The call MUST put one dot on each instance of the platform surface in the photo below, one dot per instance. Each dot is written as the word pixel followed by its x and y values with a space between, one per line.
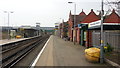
pixel 6 41
pixel 63 53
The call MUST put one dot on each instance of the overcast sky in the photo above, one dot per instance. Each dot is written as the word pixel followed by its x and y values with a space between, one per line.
pixel 46 12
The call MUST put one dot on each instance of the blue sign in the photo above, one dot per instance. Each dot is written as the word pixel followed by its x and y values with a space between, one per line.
pixel 79 25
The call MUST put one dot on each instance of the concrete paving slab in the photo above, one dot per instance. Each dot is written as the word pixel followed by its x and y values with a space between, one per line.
pixel 47 55
pixel 64 53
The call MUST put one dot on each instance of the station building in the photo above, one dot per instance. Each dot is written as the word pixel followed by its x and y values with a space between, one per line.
pixel 88 35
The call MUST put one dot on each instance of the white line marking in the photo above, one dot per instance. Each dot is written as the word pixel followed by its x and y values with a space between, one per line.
pixel 35 61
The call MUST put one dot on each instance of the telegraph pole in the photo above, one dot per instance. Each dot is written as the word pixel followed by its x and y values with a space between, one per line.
pixel 102 46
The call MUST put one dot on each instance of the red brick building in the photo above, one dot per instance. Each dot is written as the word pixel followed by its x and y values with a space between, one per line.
pixel 112 18
pixel 91 17
pixel 111 32
pixel 70 25
pixel 86 35
pixel 82 16
pixel 65 29
pixel 60 30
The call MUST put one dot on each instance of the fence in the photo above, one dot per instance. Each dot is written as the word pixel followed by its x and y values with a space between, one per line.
pixel 113 38
pixel 110 37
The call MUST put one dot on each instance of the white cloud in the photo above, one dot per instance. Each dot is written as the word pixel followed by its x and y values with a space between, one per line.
pixel 47 12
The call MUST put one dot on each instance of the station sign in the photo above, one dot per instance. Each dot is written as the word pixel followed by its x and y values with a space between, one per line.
pixel 79 25
pixel 94 24
pixel 56 24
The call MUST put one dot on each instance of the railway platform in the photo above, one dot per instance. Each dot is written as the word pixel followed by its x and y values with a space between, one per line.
pixel 58 52
pixel 6 41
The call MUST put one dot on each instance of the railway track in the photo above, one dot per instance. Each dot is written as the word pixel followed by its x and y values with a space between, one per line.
pixel 10 46
pixel 14 49
pixel 14 54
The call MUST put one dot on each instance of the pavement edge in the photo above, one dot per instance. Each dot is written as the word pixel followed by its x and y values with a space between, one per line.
pixel 112 63
pixel 38 56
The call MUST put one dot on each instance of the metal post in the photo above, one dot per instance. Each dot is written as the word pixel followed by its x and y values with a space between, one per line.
pixel 8 23
pixel 74 23
pixel 102 47
pixel 8 28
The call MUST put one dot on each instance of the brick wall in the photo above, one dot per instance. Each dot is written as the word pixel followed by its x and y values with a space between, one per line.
pixel 78 36
pixel 89 38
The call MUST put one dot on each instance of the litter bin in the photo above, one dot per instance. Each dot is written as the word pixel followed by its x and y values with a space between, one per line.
pixel 18 36
pixel 92 54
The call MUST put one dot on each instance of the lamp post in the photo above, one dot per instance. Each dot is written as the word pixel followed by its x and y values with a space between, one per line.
pixel 102 46
pixel 8 12
pixel 74 24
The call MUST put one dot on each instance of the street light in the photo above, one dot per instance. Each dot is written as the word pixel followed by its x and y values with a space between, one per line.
pixel 70 2
pixel 74 19
pixel 8 12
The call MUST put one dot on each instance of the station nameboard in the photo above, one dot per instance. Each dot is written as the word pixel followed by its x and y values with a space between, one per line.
pixel 94 24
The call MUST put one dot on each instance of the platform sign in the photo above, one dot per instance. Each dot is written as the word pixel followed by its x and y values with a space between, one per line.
pixel 94 24
pixel 79 25
pixel 56 24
